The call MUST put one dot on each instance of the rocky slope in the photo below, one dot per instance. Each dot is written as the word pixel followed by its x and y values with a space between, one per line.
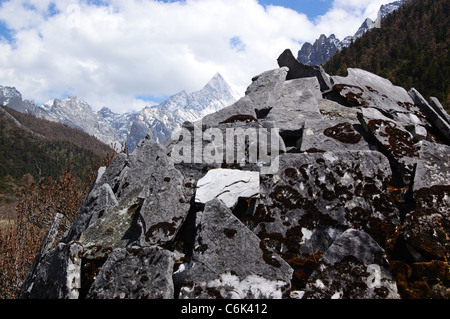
pixel 310 186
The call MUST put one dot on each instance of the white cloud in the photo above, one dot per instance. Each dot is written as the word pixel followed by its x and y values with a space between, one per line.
pixel 111 54
pixel 346 16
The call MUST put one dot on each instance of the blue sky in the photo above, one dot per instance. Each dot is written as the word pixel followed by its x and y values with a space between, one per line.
pixel 126 54
pixel 312 8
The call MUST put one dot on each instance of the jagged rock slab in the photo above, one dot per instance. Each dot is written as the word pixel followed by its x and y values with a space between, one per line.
pixel 111 230
pixel 165 204
pixel 316 196
pixel 298 70
pixel 427 227
pixel 265 90
pixel 95 205
pixel 311 83
pixel 433 116
pixel 354 267
pixel 365 89
pixel 135 273
pixel 333 111
pixel 439 108
pixel 242 110
pixel 228 185
pixel 433 167
pixel 57 275
pixel 296 104
pixel 229 261
pixel 148 189
pixel 394 140
pixel 331 136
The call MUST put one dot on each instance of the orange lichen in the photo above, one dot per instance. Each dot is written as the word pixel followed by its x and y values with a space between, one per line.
pixel 397 193
pixel 303 268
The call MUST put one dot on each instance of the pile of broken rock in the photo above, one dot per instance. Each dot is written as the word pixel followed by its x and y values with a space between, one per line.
pixel 358 208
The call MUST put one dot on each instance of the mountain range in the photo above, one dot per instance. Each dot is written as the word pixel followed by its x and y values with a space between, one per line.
pixel 326 47
pixel 131 127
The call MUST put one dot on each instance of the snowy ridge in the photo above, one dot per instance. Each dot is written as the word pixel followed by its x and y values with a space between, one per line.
pixel 113 128
pixel 168 116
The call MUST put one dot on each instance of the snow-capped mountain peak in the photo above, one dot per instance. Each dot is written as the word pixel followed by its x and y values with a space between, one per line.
pixel 9 92
pixel 325 47
pixel 113 128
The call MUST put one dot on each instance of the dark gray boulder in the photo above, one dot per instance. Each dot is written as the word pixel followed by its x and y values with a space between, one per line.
pixel 265 90
pixel 331 136
pixel 135 273
pixel 56 274
pixel 353 267
pixel 426 228
pixel 229 261
pixel 393 140
pixel 298 70
pixel 296 104
pixel 319 195
pixel 365 89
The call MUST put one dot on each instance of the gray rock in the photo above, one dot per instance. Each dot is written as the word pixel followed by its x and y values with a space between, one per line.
pixel 229 261
pixel 150 190
pixel 57 275
pixel 365 89
pixel 311 83
pixel 334 111
pixel 331 136
pixel 433 167
pixel 394 141
pixel 354 267
pixel 315 196
pixel 228 185
pixel 418 132
pixel 437 106
pixel 242 110
pixel 95 204
pixel 106 200
pixel 251 146
pixel 138 199
pixel 298 70
pixel 110 231
pixel 433 116
pixel 296 104
pixel 135 273
pixel 165 200
pixel 265 90
pixel 426 228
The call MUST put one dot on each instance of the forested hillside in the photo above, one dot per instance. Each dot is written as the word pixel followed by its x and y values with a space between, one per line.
pixel 411 49
pixel 31 149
